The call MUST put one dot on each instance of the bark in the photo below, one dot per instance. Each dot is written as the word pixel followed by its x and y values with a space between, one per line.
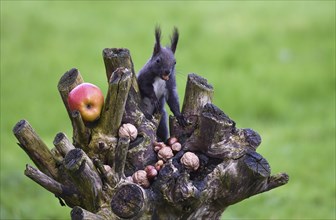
pixel 68 82
pixel 36 149
pixel 120 158
pixel 119 86
pixel 63 144
pixel 81 133
pixel 85 176
pixel 197 93
pixel 93 174
pixel 128 201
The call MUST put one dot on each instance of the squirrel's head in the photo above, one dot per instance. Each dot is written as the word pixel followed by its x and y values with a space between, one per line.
pixel 163 59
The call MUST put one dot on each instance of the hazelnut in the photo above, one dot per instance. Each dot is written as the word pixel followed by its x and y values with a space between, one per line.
pixel 158 165
pixel 176 147
pixel 172 140
pixel 128 130
pixel 159 145
pixel 165 153
pixel 151 172
pixel 140 177
pixel 190 161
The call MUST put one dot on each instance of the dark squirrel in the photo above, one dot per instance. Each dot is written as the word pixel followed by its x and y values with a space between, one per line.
pixel 157 84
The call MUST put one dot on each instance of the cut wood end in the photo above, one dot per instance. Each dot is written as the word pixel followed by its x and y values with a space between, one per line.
pixel 116 52
pixel 68 79
pixel 59 137
pixel 213 112
pixel 200 81
pixel 74 158
pixel 128 200
pixel 20 126
pixel 28 170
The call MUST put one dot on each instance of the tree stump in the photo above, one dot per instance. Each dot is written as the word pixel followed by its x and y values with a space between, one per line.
pixel 91 173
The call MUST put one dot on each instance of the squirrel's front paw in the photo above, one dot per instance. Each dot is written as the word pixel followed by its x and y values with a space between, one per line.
pixel 181 120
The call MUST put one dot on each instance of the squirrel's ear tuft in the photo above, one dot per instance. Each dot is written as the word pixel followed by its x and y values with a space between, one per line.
pixel 157 45
pixel 174 39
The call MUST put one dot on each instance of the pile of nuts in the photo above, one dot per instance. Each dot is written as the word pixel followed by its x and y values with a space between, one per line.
pixel 164 153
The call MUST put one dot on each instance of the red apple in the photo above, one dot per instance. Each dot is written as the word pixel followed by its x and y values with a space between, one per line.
pixel 88 100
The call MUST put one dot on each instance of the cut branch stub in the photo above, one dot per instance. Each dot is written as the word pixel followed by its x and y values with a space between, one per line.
pixel 115 58
pixel 252 138
pixel 277 180
pixel 68 82
pixel 52 185
pixel 81 133
pixel 128 201
pixel 257 164
pixel 36 149
pixel 63 144
pixel 85 176
pixel 214 128
pixel 114 107
pixel 197 93
pixel 120 157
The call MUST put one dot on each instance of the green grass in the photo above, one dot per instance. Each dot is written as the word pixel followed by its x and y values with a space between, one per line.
pixel 272 65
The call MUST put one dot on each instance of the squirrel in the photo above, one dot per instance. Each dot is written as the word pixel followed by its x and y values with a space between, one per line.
pixel 157 84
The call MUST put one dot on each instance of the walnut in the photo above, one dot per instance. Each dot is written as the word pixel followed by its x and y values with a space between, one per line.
pixel 176 147
pixel 128 130
pixel 158 165
pixel 140 177
pixel 158 146
pixel 190 161
pixel 165 153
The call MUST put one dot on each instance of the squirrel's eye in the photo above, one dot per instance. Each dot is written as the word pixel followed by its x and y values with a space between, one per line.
pixel 158 60
pixel 175 62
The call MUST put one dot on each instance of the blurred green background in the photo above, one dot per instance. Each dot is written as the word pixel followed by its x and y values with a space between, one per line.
pixel 272 65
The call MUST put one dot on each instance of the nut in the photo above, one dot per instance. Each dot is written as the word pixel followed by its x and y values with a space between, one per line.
pixel 140 177
pixel 172 140
pixel 159 145
pixel 158 165
pixel 130 179
pixel 176 147
pixel 190 161
pixel 151 172
pixel 107 168
pixel 128 130
pixel 165 153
